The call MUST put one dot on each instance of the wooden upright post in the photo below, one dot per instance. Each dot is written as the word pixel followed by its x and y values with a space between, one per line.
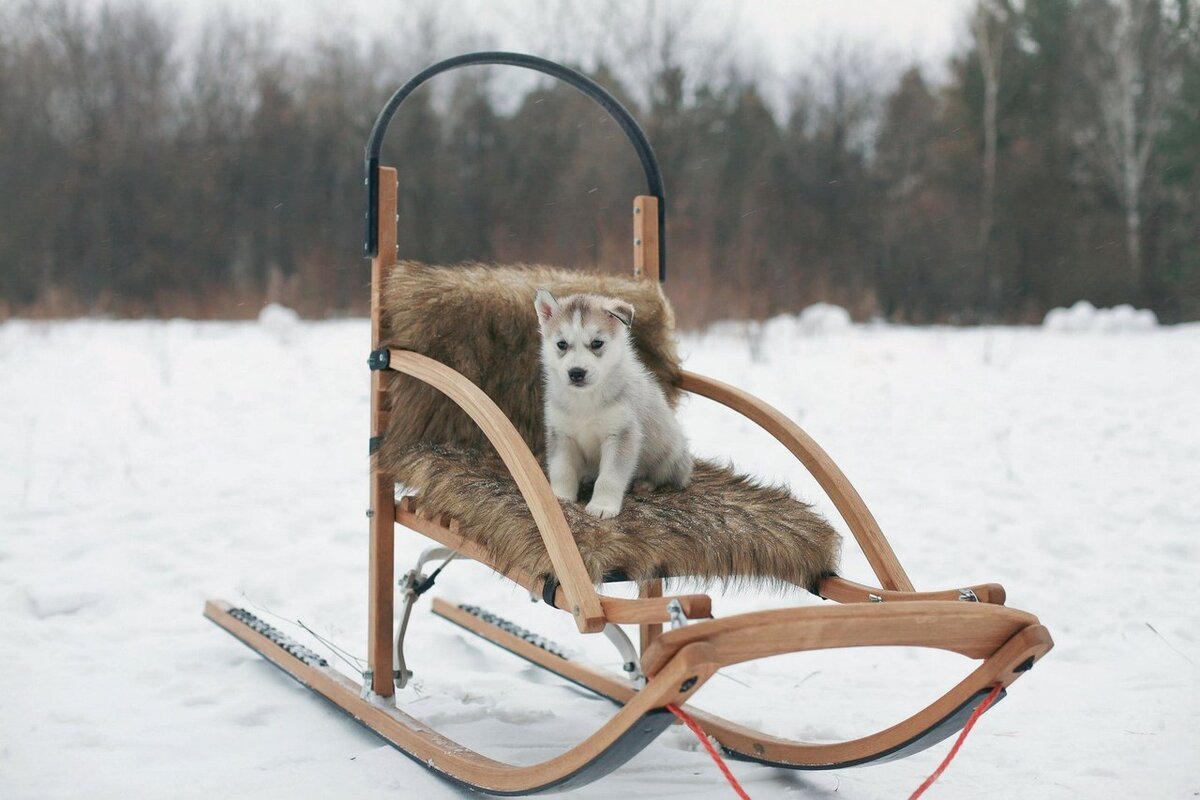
pixel 645 266
pixel 650 630
pixel 645 237
pixel 382 500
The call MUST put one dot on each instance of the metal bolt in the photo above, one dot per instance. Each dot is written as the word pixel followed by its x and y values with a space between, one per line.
pixel 370 513
pixel 637 241
pixel 637 209
pixel 688 684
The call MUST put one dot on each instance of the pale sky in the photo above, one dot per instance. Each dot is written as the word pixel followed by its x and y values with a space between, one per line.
pixel 773 39
pixel 778 30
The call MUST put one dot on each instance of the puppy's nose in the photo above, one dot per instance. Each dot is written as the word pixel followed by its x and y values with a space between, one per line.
pixel 577 374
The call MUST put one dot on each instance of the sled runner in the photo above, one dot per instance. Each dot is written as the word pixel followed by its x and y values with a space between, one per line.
pixel 456 421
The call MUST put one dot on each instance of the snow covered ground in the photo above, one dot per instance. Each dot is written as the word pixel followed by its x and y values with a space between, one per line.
pixel 147 466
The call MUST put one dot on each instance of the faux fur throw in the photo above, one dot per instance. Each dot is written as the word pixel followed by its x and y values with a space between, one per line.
pixel 479 319
pixel 724 527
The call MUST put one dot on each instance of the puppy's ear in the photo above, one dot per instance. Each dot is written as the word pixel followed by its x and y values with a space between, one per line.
pixel 621 310
pixel 546 306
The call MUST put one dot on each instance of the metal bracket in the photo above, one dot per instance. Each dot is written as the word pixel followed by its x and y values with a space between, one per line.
pixel 628 653
pixel 414 585
pixel 968 596
pixel 379 359
pixel 675 611
pixel 549 589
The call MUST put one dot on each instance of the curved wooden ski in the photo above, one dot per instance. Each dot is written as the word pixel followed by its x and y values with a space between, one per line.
pixel 1008 661
pixel 633 727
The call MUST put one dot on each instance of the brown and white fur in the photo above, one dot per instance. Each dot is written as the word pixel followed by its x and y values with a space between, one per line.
pixel 607 420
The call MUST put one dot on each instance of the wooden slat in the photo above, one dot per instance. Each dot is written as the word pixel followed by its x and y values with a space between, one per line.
pixel 975 630
pixel 381 568
pixel 653 610
pixel 451 758
pixel 848 502
pixel 645 237
pixel 841 590
pixel 453 538
pixel 620 610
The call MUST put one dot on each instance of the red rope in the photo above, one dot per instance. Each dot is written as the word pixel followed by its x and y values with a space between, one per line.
pixel 975 715
pixel 712 751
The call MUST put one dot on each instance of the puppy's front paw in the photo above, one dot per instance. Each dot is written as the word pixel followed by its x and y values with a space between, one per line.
pixel 564 492
pixel 602 509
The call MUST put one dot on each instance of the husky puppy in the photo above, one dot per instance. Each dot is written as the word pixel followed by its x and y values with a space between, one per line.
pixel 606 419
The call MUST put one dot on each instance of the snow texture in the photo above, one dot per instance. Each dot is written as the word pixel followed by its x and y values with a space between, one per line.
pixel 147 466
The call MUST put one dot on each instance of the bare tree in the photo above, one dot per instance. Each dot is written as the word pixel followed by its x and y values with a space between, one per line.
pixel 1125 67
pixel 989 26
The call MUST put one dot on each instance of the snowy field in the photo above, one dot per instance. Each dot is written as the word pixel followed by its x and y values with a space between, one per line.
pixel 147 466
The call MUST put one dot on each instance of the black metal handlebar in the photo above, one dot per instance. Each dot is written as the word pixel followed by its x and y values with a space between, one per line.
pixel 654 181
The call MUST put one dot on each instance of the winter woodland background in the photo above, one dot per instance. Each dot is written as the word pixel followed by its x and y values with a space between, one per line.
pixel 175 159
pixel 1055 157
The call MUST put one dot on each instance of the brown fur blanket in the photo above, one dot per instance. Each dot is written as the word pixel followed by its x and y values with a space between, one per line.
pixel 724 527
pixel 479 319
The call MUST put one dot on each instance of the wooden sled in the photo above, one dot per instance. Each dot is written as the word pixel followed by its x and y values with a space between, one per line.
pixel 670 666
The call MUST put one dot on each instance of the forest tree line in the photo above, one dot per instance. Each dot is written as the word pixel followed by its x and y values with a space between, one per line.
pixel 1057 158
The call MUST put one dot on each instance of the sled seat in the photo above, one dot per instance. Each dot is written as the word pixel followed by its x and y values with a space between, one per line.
pixel 479 321
pixel 724 527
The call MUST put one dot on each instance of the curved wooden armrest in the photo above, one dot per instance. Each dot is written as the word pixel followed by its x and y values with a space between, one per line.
pixel 581 597
pixel 841 590
pixel 848 502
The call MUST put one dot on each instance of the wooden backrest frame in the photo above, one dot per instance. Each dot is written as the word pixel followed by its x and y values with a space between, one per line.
pixel 582 600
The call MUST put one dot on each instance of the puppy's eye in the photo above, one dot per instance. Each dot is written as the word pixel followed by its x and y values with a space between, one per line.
pixel 562 345
pixel 597 344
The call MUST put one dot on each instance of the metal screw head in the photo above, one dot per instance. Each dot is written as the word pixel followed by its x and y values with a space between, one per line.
pixel 637 242
pixel 688 684
pixel 637 209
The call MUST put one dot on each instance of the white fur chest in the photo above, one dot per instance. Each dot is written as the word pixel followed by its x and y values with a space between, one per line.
pixel 585 421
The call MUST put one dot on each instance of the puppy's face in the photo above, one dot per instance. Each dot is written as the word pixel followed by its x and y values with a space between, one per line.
pixel 584 337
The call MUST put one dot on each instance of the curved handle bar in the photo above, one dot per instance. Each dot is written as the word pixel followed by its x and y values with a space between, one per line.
pixel 654 181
